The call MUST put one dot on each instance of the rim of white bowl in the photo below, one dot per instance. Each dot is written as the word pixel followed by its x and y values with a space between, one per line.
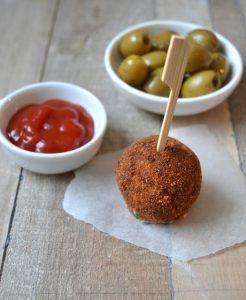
pixel 233 81
pixel 100 132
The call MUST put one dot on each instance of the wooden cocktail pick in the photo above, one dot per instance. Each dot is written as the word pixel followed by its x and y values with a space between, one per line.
pixel 173 73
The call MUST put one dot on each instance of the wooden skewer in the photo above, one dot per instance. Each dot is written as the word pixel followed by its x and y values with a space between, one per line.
pixel 173 73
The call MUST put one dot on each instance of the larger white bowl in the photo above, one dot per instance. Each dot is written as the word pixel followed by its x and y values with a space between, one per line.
pixel 55 162
pixel 157 104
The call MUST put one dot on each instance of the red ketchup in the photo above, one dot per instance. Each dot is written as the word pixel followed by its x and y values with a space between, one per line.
pixel 51 127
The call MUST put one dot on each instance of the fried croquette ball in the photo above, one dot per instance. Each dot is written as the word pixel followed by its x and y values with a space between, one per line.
pixel 159 187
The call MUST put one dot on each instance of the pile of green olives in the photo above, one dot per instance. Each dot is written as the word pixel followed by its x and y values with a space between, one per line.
pixel 144 57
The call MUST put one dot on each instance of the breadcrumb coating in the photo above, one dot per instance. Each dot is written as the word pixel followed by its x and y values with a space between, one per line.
pixel 159 187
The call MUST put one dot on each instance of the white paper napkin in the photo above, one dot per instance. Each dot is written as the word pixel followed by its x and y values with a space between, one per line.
pixel 216 221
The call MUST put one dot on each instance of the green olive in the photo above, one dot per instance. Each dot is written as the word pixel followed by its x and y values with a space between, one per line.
pixel 161 40
pixel 199 58
pixel 201 83
pixel 133 70
pixel 155 59
pixel 220 65
pixel 205 38
pixel 154 85
pixel 136 42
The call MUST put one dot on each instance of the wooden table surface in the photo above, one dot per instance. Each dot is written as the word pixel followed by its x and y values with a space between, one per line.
pixel 45 253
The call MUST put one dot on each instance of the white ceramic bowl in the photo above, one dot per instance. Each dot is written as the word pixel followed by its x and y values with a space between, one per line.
pixel 157 104
pixel 38 93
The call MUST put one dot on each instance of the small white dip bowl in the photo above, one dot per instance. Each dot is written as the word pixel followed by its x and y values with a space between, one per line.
pixel 52 163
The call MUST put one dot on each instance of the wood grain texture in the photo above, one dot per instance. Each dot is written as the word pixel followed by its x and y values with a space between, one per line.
pixel 218 277
pixel 231 22
pixel 194 11
pixel 22 53
pixel 50 254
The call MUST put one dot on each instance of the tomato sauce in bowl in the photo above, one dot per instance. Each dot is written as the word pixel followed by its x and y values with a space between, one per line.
pixel 51 127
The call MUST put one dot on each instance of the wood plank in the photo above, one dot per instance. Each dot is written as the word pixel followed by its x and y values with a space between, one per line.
pixel 183 11
pixel 22 51
pixel 221 276
pixel 89 296
pixel 231 22
pixel 50 253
